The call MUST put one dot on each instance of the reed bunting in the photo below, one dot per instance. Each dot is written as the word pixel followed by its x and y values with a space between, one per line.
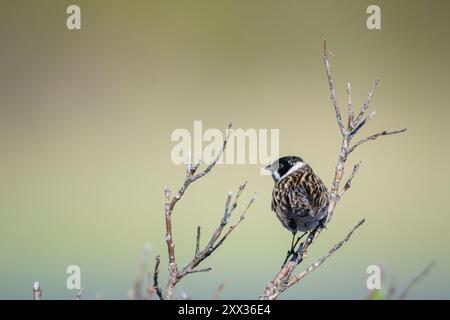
pixel 299 197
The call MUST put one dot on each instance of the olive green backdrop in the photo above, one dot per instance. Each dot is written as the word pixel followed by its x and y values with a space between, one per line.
pixel 86 118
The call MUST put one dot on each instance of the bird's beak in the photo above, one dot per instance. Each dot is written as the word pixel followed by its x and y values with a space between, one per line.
pixel 269 167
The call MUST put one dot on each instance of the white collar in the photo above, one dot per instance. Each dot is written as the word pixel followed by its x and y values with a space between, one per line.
pixel 295 167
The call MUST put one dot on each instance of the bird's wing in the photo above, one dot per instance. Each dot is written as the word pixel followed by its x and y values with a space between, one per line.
pixel 308 194
pixel 281 206
pixel 299 202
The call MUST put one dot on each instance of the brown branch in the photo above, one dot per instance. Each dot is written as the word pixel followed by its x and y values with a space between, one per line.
pixel 231 228
pixel 350 107
pixel 214 242
pixel 168 215
pixel 197 240
pixel 200 270
pixel 374 137
pixel 332 91
pixel 319 262
pixel 362 123
pixel 405 293
pixel 37 292
pixel 156 287
pixel 348 184
pixel 283 278
pixel 366 102
pixel 176 274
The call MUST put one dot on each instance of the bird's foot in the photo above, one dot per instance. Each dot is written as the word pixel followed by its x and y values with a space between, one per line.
pixel 291 253
pixel 323 223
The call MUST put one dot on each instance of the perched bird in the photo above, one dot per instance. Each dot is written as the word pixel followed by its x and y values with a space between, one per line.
pixel 299 197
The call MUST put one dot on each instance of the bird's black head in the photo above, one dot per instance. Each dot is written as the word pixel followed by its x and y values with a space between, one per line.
pixel 281 167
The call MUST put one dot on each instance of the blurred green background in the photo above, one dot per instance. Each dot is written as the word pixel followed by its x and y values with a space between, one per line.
pixel 86 118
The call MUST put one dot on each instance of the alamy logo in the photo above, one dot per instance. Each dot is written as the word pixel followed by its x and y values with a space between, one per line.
pixel 374 280
pixel 374 20
pixel 73 21
pixel 250 146
pixel 74 279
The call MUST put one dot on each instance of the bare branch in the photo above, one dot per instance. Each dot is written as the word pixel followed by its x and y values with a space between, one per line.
pixel 175 274
pixel 350 107
pixel 189 165
pixel 200 270
pixel 319 262
pixel 355 131
pixel 241 218
pixel 192 177
pixel 241 189
pixel 283 278
pixel 405 293
pixel 348 184
pixel 366 103
pixel 219 155
pixel 214 243
pixel 226 216
pixel 37 292
pixel 156 287
pixel 374 137
pixel 168 207
pixel 332 91
pixel 197 240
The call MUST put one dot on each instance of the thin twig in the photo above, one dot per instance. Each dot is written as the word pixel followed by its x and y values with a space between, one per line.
pixel 319 262
pixel 282 279
pixel 366 102
pixel 405 293
pixel 200 270
pixel 350 107
pixel 355 131
pixel 374 137
pixel 332 91
pixel 241 218
pixel 218 156
pixel 155 279
pixel 197 240
pixel 348 184
pixel 176 274
pixel 214 242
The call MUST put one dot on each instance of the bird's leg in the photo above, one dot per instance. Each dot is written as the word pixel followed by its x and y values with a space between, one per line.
pixel 292 242
pixel 292 251
pixel 298 240
pixel 323 222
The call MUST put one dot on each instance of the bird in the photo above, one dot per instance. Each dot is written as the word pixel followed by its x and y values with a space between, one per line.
pixel 299 197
